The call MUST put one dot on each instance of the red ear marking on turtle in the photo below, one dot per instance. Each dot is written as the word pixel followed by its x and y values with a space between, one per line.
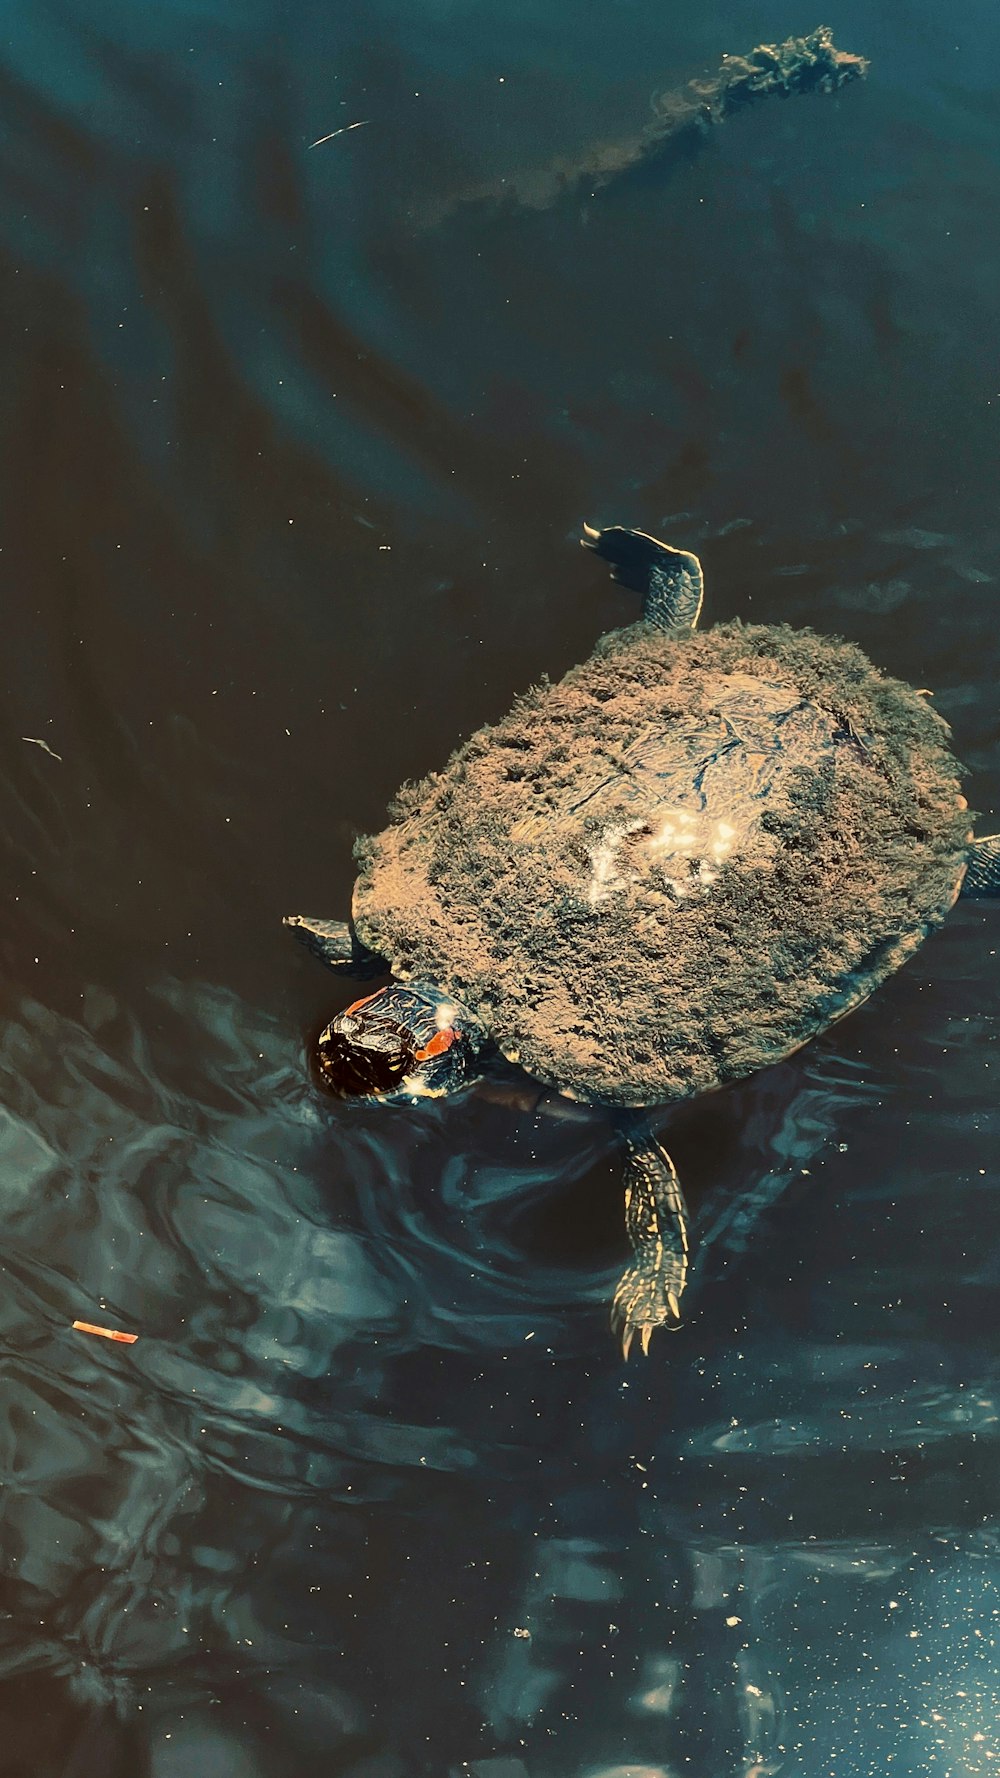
pixel 441 1041
pixel 359 1003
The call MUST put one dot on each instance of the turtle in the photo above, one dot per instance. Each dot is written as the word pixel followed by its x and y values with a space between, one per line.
pixel 670 869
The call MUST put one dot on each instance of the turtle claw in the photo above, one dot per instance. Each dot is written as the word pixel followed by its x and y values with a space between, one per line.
pixel 645 1333
pixel 640 1307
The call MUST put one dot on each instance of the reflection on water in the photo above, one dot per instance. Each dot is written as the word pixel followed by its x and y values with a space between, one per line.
pixel 287 494
pixel 373 1475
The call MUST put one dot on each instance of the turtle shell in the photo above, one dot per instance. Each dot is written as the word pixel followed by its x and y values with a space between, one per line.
pixel 679 863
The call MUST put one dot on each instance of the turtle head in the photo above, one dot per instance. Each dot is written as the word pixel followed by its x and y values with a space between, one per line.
pixel 402 1042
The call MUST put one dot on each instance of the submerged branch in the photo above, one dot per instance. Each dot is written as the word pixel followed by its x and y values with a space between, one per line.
pixel 682 120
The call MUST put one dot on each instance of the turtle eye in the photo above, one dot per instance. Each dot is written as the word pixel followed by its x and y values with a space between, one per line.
pixel 355 1071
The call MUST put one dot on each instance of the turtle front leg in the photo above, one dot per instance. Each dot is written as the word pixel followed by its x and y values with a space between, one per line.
pixel 656 1221
pixel 669 580
pixel 337 945
pixel 983 875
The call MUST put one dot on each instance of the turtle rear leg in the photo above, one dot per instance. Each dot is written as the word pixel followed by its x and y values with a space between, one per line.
pixel 656 1221
pixel 983 874
pixel 337 945
pixel 669 580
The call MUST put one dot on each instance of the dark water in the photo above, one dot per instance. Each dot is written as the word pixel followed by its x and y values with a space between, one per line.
pixel 290 486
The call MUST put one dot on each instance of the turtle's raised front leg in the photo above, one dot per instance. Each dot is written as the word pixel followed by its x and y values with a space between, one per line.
pixel 669 580
pixel 649 1294
pixel 337 945
pixel 983 875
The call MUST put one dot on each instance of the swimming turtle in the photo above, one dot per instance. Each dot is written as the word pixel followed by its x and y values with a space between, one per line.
pixel 666 871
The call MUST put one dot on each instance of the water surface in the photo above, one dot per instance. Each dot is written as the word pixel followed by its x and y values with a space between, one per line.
pixel 291 482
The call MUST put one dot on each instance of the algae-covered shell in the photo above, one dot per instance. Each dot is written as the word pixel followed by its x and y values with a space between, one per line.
pixel 679 863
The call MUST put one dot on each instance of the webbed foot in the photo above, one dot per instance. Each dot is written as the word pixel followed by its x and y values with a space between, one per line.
pixel 643 1302
pixel 669 581
pixel 337 945
pixel 983 875
pixel 656 1221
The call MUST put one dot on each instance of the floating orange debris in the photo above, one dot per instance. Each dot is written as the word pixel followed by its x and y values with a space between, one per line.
pixel 106 1333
